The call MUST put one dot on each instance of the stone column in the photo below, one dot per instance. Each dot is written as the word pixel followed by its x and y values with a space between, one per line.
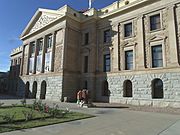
pixel 115 56
pixel 35 56
pixel 22 61
pixel 140 59
pixel 172 38
pixel 28 58
pixel 53 51
pixel 43 54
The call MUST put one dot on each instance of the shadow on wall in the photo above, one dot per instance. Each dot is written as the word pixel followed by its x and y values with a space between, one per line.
pixel 108 45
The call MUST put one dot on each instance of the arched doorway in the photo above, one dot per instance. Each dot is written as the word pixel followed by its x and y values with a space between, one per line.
pixel 127 88
pixel 43 90
pixel 34 90
pixel 105 88
pixel 27 90
pixel 157 88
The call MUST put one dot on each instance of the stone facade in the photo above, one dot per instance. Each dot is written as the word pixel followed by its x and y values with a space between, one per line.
pixel 110 51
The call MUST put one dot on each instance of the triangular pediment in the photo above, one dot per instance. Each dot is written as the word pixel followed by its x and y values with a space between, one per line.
pixel 157 38
pixel 42 18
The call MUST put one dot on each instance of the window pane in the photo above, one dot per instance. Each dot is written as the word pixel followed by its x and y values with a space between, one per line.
pixel 107 36
pixel 85 64
pixel 157 59
pixel 107 63
pixel 86 38
pixel 129 60
pixel 32 45
pixel 155 22
pixel 128 30
pixel 49 41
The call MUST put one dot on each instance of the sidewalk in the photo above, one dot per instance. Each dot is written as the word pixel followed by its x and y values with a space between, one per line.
pixel 109 121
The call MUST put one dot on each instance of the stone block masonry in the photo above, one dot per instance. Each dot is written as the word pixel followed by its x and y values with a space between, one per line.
pixel 53 86
pixel 142 89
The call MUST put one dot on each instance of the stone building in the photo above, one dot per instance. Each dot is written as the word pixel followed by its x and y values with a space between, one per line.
pixel 13 78
pixel 3 82
pixel 127 52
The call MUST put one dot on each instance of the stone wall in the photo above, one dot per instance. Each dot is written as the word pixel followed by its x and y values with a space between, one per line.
pixel 53 90
pixel 142 91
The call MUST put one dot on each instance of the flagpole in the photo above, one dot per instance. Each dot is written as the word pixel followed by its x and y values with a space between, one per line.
pixel 90 4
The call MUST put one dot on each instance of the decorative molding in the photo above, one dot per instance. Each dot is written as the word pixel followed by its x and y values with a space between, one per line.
pixel 43 21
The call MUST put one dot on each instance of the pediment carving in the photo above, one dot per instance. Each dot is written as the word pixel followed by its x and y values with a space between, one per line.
pixel 127 44
pixel 157 38
pixel 43 21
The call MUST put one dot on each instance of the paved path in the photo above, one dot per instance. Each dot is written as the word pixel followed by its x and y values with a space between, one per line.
pixel 110 121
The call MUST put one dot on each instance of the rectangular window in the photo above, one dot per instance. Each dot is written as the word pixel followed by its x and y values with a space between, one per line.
pixel 49 41
pixel 85 64
pixel 128 30
pixel 107 36
pixel 32 47
pixel 40 45
pixel 86 38
pixel 155 22
pixel 107 63
pixel 129 60
pixel 157 57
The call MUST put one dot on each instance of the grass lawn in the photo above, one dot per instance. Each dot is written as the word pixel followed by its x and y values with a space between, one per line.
pixel 39 119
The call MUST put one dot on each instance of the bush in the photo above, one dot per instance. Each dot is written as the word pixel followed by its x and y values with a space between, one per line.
pixel 28 115
pixel 23 102
pixel 54 112
pixel 9 118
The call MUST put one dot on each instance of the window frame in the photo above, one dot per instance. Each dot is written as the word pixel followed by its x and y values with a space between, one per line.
pixel 124 27
pixel 32 48
pixel 161 22
pixel 107 38
pixel 152 60
pixel 86 38
pixel 38 45
pixel 126 63
pixel 105 65
pixel 154 24
pixel 47 41
pixel 86 64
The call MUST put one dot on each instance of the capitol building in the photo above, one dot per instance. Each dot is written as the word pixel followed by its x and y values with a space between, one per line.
pixel 127 52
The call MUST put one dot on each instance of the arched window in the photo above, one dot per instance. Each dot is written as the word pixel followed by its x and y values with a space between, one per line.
pixel 27 90
pixel 105 88
pixel 43 90
pixel 34 90
pixel 157 88
pixel 127 88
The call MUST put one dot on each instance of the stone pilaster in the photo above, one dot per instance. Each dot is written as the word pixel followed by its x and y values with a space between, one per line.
pixel 53 51
pixel 43 54
pixel 172 38
pixel 140 59
pixel 28 58
pixel 35 56
pixel 115 56
pixel 22 61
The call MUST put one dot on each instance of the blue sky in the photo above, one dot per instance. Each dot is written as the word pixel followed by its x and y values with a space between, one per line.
pixel 15 15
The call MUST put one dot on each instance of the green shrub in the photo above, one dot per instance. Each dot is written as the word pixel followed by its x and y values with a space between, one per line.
pixel 28 115
pixel 9 118
pixel 23 102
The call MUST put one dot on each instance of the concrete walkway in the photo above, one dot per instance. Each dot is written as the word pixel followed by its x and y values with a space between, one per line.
pixel 109 121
